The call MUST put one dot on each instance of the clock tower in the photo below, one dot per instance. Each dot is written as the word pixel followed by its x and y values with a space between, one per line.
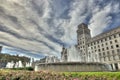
pixel 83 36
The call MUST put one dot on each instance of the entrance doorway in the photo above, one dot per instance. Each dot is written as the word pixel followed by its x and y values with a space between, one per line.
pixel 116 66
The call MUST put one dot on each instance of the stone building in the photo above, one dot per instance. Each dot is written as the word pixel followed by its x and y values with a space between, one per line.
pixel 105 47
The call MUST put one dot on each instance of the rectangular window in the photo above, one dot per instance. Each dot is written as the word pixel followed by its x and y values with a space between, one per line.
pixel 114 36
pixel 91 47
pixel 109 58
pixel 103 53
pixel 118 50
pixel 99 50
pixel 119 56
pixel 113 57
pixel 110 42
pixel 98 42
pixel 107 48
pixel 100 54
pixel 110 38
pixel 94 47
pixel 104 58
pixel 115 41
pixel 102 44
pixel 91 44
pixel 111 47
pixel 98 45
pixel 103 49
pixel 105 39
pixel 108 53
pixel 106 43
pixel 113 52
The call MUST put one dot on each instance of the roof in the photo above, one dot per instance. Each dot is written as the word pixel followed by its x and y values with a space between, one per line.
pixel 82 25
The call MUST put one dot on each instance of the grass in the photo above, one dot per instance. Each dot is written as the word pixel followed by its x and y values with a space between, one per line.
pixel 98 75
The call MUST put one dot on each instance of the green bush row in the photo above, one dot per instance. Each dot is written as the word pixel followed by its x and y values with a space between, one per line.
pixel 25 68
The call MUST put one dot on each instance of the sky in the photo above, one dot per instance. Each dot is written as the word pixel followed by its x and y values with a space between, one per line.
pixel 39 28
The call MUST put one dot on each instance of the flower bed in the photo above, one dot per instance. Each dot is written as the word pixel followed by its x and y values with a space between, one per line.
pixel 43 75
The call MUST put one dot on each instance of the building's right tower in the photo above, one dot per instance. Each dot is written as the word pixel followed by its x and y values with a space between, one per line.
pixel 83 36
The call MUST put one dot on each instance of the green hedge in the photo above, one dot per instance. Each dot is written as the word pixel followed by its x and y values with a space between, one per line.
pixel 25 68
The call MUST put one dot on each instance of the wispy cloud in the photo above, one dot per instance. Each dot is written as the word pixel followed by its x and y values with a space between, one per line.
pixel 41 27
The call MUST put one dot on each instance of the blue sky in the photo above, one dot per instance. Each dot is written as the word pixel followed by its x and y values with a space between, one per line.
pixel 39 28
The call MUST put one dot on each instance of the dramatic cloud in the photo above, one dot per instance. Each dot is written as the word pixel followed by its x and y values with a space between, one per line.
pixel 39 28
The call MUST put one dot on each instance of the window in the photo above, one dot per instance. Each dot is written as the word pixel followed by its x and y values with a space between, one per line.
pixel 103 53
pixel 119 56
pixel 109 58
pixel 108 53
pixel 106 43
pixel 98 45
pixel 110 42
pixel 105 39
pixel 99 50
pixel 104 58
pixel 101 40
pixel 99 54
pixel 113 57
pixel 117 45
pixel 102 44
pixel 111 47
pixel 110 38
pixel 114 36
pixel 91 44
pixel 103 49
pixel 115 41
pixel 107 48
pixel 118 50
pixel 91 47
pixel 112 51
pixel 94 47
pixel 98 42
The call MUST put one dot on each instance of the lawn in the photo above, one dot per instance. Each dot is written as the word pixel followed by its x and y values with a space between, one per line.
pixel 94 75
pixel 44 75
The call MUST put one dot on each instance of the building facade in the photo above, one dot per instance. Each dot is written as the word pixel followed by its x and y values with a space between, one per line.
pixel 106 46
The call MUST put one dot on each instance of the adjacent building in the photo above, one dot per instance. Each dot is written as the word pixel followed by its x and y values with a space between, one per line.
pixel 105 45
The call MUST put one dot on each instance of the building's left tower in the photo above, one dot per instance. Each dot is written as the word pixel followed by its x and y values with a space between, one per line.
pixel 0 49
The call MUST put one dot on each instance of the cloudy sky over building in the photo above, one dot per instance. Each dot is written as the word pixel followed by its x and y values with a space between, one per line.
pixel 40 27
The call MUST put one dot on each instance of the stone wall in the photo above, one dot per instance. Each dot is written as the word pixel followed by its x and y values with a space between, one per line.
pixel 71 67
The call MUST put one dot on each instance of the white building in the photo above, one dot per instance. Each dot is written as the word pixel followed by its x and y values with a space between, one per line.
pixel 103 48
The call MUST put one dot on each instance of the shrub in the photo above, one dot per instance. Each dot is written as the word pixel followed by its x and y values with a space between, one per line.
pixel 26 68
